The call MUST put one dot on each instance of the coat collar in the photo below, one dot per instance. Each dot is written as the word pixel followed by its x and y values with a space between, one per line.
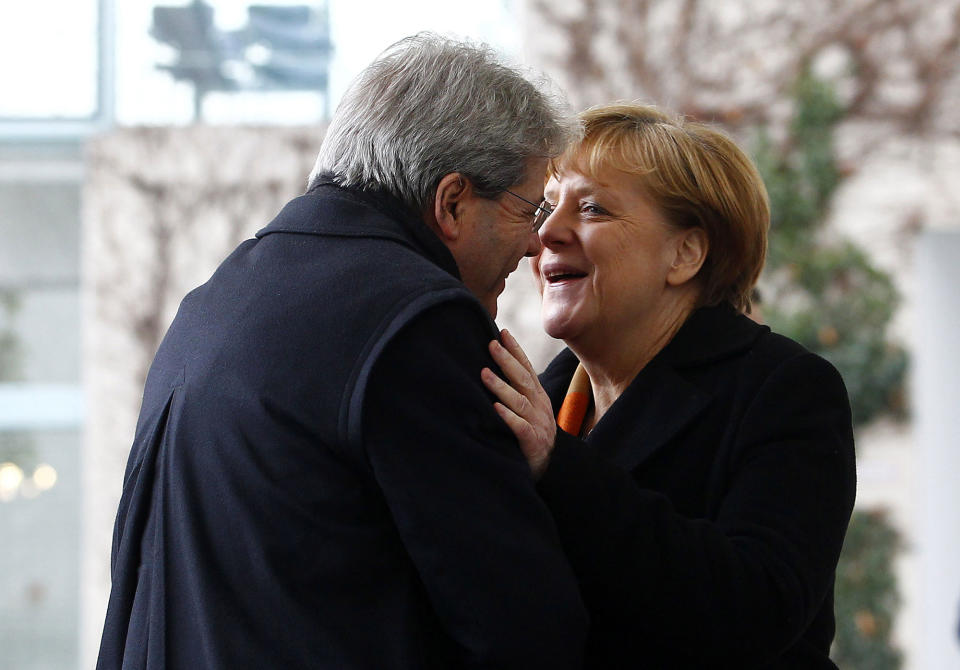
pixel 711 334
pixel 661 400
pixel 331 210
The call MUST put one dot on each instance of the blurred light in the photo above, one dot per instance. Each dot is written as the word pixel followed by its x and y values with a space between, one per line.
pixel 28 489
pixel 166 54
pixel 240 72
pixel 229 16
pixel 10 477
pixel 257 54
pixel 44 477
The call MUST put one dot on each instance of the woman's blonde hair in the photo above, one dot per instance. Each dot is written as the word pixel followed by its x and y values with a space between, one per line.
pixel 696 176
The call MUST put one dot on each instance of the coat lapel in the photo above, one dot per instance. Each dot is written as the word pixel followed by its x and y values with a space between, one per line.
pixel 656 406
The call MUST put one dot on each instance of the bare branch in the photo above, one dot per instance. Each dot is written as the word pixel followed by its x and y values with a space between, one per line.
pixel 730 62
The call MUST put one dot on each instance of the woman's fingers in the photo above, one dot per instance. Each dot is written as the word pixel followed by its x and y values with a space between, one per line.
pixel 536 447
pixel 509 396
pixel 524 405
pixel 511 345
pixel 517 375
pixel 520 427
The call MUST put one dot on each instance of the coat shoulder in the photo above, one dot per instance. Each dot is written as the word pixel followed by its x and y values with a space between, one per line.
pixel 773 351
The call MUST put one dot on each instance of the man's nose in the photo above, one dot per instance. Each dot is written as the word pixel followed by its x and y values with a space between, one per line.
pixel 534 246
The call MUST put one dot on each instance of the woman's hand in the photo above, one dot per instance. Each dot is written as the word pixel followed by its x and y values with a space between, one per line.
pixel 524 405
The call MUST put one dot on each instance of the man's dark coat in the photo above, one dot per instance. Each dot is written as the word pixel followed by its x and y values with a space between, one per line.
pixel 705 512
pixel 318 478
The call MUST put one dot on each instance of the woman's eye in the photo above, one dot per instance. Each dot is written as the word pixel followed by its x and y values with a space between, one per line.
pixel 592 208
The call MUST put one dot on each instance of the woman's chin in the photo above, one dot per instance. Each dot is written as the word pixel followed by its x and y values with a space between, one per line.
pixel 560 326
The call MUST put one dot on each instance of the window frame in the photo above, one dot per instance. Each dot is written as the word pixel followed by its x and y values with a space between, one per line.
pixel 20 129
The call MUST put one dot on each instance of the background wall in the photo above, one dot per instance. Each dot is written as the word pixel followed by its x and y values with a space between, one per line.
pixel 162 206
pixel 40 413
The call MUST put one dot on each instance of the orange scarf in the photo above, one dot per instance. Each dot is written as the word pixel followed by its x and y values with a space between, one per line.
pixel 575 403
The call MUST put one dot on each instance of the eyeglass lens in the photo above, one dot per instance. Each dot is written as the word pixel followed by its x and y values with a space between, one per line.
pixel 543 211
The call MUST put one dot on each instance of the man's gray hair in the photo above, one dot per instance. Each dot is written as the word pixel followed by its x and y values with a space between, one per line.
pixel 429 106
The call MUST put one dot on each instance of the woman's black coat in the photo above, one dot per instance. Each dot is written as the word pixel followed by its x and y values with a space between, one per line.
pixel 705 513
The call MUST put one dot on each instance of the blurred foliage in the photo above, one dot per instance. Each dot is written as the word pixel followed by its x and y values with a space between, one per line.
pixel 14 446
pixel 17 447
pixel 825 293
pixel 822 291
pixel 866 596
pixel 9 345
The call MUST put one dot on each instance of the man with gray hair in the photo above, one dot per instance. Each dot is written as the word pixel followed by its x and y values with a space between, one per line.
pixel 318 477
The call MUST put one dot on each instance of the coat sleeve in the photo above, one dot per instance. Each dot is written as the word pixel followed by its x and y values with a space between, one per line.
pixel 738 589
pixel 463 499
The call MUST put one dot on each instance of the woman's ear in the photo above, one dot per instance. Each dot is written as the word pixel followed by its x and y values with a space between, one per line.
pixel 451 191
pixel 692 248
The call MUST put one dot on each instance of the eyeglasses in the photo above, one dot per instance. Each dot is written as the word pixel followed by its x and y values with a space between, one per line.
pixel 543 210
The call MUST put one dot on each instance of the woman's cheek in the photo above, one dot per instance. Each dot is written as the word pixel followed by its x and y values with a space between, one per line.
pixel 534 266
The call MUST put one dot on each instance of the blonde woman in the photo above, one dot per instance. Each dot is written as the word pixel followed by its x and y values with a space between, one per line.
pixel 702 476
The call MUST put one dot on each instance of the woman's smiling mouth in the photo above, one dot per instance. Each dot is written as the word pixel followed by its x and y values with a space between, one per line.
pixel 555 273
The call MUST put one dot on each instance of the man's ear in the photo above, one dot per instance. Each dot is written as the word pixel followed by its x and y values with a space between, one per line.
pixel 451 191
pixel 692 248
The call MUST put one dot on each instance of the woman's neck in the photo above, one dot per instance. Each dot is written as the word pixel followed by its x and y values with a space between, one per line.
pixel 615 359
